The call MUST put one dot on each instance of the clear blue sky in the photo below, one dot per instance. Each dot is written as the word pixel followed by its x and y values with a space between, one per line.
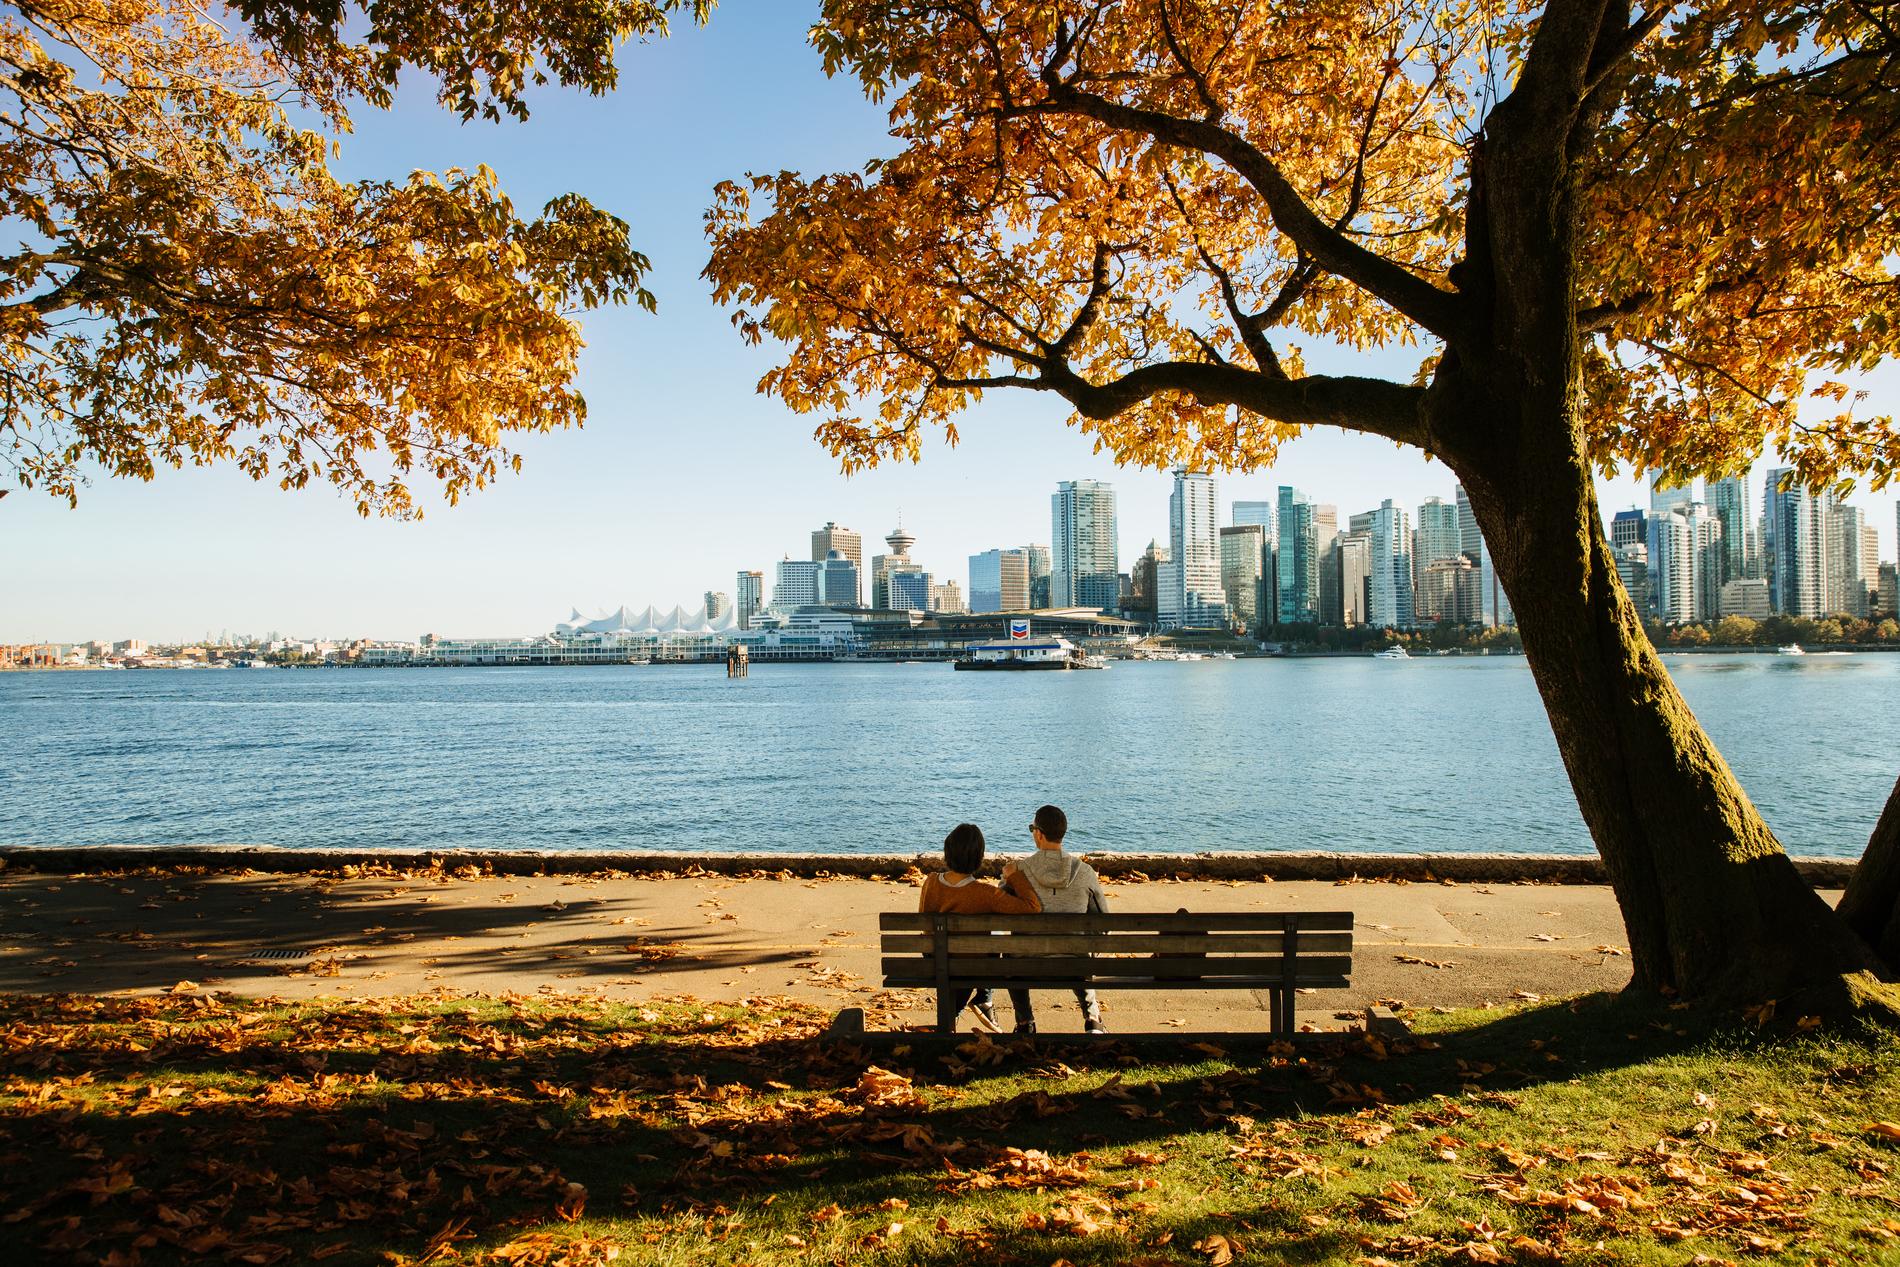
pixel 683 475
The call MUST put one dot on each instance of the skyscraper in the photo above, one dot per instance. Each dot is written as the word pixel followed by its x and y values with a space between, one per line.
pixel 1189 583
pixel 796 584
pixel 749 592
pixel 1662 500
pixel 1259 514
pixel 907 588
pixel 1794 545
pixel 947 597
pixel 846 542
pixel 717 604
pixel 1685 563
pixel 1263 516
pixel 1436 537
pixel 1470 542
pixel 838 581
pixel 999 581
pixel 1084 557
pixel 1391 583
pixel 1242 551
pixel 1728 501
pixel 1297 558
pixel 1846 587
pixel 1038 557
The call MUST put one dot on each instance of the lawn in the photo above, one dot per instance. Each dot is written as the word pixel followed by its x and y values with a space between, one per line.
pixel 191 1128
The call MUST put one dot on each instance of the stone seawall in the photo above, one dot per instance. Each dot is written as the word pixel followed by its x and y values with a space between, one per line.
pixel 1489 868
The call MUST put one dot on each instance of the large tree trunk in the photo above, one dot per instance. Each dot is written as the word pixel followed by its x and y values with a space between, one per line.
pixel 1871 905
pixel 1713 906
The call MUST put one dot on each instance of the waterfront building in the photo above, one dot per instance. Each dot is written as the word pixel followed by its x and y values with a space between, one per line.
pixel 1242 574
pixel 717 604
pixel 907 588
pixel 900 543
pixel 1039 583
pixel 1085 559
pixel 1188 586
pixel 749 591
pixel 1145 579
pixel 1390 589
pixel 1685 563
pixel 1794 545
pixel 1663 499
pixel 1296 558
pixel 1745 596
pixel 1449 592
pixel 796 585
pixel 1632 568
pixel 999 581
pixel 1728 501
pixel 1257 514
pixel 838 581
pixel 1435 537
pixel 848 544
pixel 1629 528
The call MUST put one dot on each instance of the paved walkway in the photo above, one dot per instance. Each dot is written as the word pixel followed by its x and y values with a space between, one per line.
pixel 724 938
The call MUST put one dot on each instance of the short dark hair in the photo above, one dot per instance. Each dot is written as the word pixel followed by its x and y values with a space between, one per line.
pixel 1052 823
pixel 963 848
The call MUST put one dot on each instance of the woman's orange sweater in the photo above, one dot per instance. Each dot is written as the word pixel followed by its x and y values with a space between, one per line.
pixel 978 898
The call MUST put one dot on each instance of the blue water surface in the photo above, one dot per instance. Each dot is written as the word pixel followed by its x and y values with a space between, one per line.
pixel 1446 755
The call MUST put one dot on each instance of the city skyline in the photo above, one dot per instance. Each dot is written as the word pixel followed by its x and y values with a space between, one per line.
pixel 682 476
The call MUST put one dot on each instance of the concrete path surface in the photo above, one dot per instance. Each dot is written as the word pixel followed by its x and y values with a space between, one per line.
pixel 718 937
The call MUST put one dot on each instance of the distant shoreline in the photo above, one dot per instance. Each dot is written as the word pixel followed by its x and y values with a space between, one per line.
pixel 1484 868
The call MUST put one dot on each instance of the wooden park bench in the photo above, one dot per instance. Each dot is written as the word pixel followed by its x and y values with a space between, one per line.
pixel 1278 952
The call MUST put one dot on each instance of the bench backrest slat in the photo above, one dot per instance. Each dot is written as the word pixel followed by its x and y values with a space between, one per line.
pixel 1041 943
pixel 1222 922
pixel 1173 967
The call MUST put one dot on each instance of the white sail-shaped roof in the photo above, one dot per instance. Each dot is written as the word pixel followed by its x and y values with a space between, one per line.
pixel 650 622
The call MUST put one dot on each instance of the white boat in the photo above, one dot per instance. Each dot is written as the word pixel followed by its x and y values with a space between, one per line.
pixel 1020 654
pixel 1393 653
pixel 1793 648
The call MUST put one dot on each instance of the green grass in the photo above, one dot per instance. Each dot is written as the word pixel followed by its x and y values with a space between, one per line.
pixel 188 1129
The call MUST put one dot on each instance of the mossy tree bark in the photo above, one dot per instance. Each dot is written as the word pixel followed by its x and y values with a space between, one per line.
pixel 1871 905
pixel 1713 905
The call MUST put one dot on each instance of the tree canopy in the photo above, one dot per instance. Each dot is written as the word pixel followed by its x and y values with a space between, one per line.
pixel 190 282
pixel 1136 205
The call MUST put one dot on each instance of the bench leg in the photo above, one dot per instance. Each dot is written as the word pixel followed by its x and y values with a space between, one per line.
pixel 1283 1011
pixel 947 1009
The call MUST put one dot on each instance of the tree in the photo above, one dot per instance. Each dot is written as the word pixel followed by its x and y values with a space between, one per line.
pixel 1735 631
pixel 1617 236
pixel 193 284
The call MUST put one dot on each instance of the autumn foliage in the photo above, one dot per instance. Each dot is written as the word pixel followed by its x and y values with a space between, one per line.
pixel 193 283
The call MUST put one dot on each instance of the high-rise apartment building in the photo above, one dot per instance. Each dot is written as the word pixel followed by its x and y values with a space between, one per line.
pixel 1144 579
pixel 847 543
pixel 1391 584
pixel 1435 537
pixel 1869 569
pixel 1728 501
pixel 1685 563
pixel 749 596
pixel 1794 545
pixel 1470 541
pixel 1448 590
pixel 948 598
pixel 1242 576
pixel 796 584
pixel 717 604
pixel 1297 558
pixel 1039 581
pixel 999 581
pixel 1355 577
pixel 1188 585
pixel 1084 562
pixel 1846 591
pixel 1629 528
pixel 1889 592
pixel 1662 499
pixel 1632 568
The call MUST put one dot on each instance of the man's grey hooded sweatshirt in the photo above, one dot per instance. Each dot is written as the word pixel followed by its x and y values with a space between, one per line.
pixel 1066 884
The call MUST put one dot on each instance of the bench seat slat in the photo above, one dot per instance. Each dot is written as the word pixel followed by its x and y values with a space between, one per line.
pixel 1176 968
pixel 1117 943
pixel 1224 921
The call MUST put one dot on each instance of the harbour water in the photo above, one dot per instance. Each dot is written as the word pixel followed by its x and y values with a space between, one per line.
pixel 1449 755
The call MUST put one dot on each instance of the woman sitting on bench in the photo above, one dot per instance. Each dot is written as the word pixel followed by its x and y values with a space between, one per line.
pixel 956 891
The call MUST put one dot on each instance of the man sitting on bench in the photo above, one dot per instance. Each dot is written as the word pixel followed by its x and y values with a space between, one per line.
pixel 1067 886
